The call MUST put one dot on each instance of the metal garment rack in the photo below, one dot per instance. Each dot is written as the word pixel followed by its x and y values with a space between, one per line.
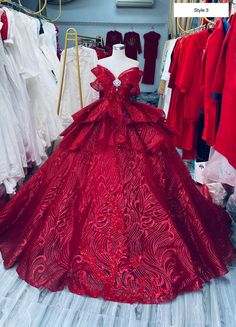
pixel 195 29
pixel 73 36
pixel 19 7
pixel 111 24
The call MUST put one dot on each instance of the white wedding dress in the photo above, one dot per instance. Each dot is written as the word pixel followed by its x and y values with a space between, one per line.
pixel 38 74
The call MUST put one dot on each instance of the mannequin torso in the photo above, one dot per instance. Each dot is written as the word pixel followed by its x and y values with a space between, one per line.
pixel 118 62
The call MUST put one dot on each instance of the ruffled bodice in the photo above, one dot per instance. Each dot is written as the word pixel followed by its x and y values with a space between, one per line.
pixel 117 115
pixel 117 89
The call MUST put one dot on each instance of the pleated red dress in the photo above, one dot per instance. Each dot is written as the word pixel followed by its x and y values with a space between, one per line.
pixel 114 213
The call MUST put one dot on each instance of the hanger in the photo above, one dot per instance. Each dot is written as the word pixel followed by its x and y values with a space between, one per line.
pixel 206 19
pixel 59 12
pixel 190 30
pixel 209 21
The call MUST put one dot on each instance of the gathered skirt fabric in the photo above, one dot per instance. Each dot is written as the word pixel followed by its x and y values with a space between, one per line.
pixel 114 213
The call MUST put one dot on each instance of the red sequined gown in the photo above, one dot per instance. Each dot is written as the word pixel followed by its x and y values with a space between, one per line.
pixel 114 213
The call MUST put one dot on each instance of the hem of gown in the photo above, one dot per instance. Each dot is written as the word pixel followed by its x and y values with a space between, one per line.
pixel 137 299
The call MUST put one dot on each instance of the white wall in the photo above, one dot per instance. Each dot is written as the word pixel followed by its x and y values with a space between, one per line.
pixel 96 17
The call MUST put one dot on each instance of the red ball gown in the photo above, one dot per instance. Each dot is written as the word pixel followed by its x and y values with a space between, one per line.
pixel 114 213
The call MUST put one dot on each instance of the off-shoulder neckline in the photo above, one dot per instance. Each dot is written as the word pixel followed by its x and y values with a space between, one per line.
pixel 122 73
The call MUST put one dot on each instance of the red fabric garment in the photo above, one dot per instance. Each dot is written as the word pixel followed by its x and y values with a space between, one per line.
pixel 187 96
pixel 211 106
pixel 113 212
pixel 4 30
pixel 100 53
pixel 132 45
pixel 225 83
pixel 151 42
pixel 113 37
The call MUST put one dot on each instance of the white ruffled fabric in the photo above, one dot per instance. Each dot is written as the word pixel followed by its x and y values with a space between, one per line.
pixel 29 70
pixel 37 70
pixel 12 150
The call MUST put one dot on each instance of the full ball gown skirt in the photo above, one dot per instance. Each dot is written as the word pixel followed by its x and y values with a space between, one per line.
pixel 114 213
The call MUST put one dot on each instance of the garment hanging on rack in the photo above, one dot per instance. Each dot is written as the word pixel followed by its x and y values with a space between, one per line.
pixel 22 68
pixel 70 97
pixel 4 25
pixel 48 45
pixel 26 145
pixel 226 85
pixel 187 94
pixel 132 45
pixel 113 37
pixel 221 166
pixel 212 101
pixel 59 51
pixel 151 42
pixel 165 75
pixel 13 157
pixel 39 75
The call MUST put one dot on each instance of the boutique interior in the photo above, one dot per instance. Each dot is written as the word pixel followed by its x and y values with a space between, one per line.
pixel 117 164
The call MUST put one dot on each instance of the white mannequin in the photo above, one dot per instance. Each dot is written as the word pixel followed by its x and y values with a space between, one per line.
pixel 118 62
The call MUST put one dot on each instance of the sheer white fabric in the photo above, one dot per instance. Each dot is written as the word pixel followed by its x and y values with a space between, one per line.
pixel 71 97
pixel 13 157
pixel 218 169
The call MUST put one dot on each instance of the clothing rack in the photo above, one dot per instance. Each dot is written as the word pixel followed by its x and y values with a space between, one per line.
pixel 19 7
pixel 73 36
pixel 196 29
pixel 97 38
pixel 111 24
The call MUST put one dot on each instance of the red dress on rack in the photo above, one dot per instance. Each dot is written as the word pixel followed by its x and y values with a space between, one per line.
pixel 211 106
pixel 132 45
pixel 113 37
pixel 114 213
pixel 225 84
pixel 151 42
pixel 187 96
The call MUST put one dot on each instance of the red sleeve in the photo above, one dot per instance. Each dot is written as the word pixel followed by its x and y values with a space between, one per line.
pixel 121 38
pixel 174 63
pixel 139 47
pixel 125 38
pixel 108 39
pixel 187 63
pixel 4 30
pixel 219 78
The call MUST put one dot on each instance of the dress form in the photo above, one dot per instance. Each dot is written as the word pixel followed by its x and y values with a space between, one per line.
pixel 118 62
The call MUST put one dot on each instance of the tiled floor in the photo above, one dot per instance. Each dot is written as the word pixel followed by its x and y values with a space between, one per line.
pixel 22 305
